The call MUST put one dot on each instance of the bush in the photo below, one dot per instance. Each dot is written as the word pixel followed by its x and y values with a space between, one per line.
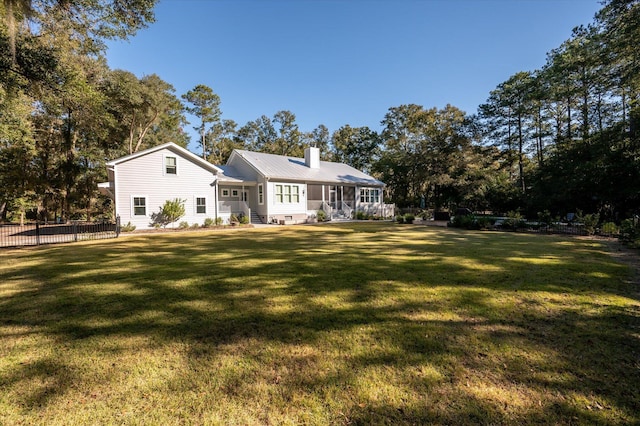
pixel 245 220
pixel 183 225
pixel 360 215
pixel 545 218
pixel 128 227
pixel 426 214
pixel 233 218
pixel 400 219
pixel 630 232
pixel 590 221
pixel 483 222
pixel 514 220
pixel 409 218
pixel 170 212
pixel 321 215
pixel 609 228
pixel 219 221
pixel 208 222
pixel 465 222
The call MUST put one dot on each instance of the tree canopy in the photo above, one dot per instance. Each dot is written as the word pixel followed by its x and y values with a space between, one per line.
pixel 561 138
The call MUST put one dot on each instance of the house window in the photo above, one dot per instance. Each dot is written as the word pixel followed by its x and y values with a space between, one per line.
pixel 234 192
pixel 260 193
pixel 295 194
pixel 287 194
pixel 139 206
pixel 170 166
pixel 370 195
pixel 225 192
pixel 201 205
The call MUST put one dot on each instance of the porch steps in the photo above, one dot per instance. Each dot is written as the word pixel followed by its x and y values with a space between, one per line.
pixel 255 218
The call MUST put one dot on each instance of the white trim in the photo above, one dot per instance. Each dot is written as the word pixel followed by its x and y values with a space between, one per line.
pixel 195 204
pixel 116 207
pixel 261 194
pixel 288 194
pixel 146 205
pixel 172 147
pixel 164 165
pixel 225 192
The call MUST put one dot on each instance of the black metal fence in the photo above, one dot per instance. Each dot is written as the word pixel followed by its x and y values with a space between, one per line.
pixel 557 228
pixel 35 234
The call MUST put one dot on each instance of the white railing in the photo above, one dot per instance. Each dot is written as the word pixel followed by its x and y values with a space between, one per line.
pixel 234 207
pixel 378 209
pixel 389 210
pixel 346 210
pixel 229 206
pixel 327 209
pixel 244 208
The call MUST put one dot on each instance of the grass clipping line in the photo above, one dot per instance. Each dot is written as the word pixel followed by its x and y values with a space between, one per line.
pixel 361 323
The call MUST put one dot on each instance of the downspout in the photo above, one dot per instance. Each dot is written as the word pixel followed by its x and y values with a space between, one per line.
pixel 115 193
pixel 266 200
pixel 215 199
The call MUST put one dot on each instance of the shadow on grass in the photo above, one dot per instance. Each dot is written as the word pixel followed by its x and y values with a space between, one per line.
pixel 510 328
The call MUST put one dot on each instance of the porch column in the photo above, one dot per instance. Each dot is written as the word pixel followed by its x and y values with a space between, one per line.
pixel 356 195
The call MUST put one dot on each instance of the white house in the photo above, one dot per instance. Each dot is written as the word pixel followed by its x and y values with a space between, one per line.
pixel 265 187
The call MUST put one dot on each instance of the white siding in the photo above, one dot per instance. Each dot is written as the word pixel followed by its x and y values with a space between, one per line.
pixel 145 176
pixel 277 209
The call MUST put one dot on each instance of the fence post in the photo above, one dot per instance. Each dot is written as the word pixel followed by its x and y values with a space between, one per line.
pixel 37 233
pixel 75 232
pixel 117 226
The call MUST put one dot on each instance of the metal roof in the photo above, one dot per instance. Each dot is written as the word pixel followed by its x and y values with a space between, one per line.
pixel 172 147
pixel 231 175
pixel 293 168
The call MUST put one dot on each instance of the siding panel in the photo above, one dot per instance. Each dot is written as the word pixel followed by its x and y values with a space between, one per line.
pixel 144 176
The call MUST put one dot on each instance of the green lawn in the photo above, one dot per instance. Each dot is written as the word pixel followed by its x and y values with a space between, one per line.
pixel 371 323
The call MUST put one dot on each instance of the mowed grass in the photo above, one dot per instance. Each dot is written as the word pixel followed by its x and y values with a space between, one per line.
pixel 371 323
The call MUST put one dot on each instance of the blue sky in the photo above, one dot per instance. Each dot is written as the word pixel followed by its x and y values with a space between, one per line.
pixel 337 62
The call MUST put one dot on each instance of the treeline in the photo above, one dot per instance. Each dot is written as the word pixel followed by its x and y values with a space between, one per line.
pixel 569 133
pixel 559 139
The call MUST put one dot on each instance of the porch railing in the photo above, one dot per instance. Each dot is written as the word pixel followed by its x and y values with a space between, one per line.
pixel 237 207
pixel 347 211
pixel 244 209
pixel 327 209
pixel 378 209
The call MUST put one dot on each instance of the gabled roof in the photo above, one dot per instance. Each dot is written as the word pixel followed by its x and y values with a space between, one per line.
pixel 283 167
pixel 177 149
pixel 231 175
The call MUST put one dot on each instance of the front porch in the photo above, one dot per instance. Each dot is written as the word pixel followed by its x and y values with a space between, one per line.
pixel 341 202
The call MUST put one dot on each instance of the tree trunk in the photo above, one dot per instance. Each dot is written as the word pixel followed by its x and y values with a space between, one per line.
pixel 520 153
